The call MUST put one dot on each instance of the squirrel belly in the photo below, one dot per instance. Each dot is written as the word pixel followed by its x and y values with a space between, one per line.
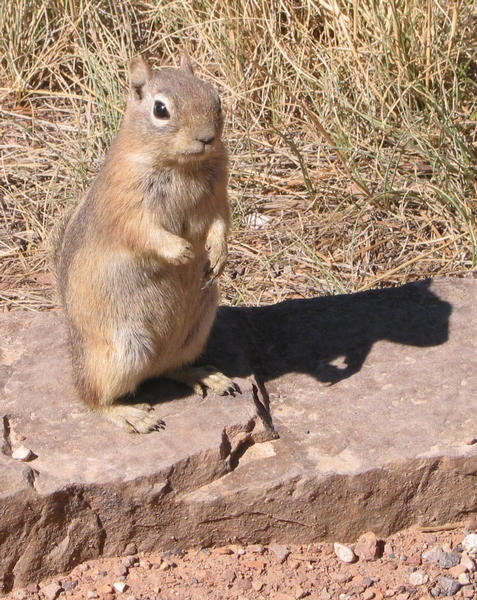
pixel 137 316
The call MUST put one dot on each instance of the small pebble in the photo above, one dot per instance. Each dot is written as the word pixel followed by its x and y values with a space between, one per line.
pixel 22 453
pixel 469 543
pixel 130 549
pixel 129 561
pixel 367 546
pixel 51 591
pixel 418 578
pixel 91 595
pixel 447 560
pixel 281 552
pixel 120 586
pixel 432 555
pixel 448 585
pixel 368 595
pixel 69 584
pixel 223 551
pixel 344 553
pixel 256 549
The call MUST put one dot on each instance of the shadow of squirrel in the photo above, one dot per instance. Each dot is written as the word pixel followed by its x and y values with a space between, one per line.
pixel 306 336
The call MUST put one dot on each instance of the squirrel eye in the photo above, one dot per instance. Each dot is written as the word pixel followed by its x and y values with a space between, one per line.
pixel 160 110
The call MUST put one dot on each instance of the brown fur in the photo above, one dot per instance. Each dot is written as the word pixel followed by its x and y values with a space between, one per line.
pixel 133 259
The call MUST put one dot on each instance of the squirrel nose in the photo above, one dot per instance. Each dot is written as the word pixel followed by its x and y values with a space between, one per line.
pixel 206 139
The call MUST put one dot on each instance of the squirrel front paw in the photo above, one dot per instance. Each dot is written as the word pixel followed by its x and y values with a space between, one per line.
pixel 178 251
pixel 217 258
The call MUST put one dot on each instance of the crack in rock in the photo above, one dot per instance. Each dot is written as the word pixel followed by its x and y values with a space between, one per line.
pixel 6 440
pixel 261 400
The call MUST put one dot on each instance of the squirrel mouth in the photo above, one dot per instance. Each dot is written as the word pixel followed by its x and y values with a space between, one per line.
pixel 194 153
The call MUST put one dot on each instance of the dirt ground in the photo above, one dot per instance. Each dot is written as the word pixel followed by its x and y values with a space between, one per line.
pixel 413 564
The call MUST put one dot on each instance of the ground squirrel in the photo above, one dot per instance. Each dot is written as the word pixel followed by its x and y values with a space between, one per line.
pixel 137 261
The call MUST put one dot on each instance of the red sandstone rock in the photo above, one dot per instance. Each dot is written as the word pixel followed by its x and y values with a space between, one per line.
pixel 367 546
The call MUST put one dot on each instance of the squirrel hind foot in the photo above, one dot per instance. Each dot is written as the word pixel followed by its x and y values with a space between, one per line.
pixel 200 379
pixel 134 418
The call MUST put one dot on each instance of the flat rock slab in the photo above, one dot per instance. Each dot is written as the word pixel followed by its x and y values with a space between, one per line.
pixel 373 397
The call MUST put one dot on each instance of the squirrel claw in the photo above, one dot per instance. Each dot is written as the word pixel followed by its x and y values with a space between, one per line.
pixel 208 282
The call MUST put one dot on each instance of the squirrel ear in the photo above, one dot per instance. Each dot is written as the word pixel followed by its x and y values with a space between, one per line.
pixel 186 63
pixel 141 73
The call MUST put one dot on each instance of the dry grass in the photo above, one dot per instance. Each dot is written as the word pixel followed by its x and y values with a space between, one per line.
pixel 351 127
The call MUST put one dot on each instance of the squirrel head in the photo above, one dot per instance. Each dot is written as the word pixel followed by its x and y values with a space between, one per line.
pixel 175 116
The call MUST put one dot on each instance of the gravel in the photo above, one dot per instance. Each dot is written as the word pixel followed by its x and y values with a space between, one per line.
pixel 277 572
